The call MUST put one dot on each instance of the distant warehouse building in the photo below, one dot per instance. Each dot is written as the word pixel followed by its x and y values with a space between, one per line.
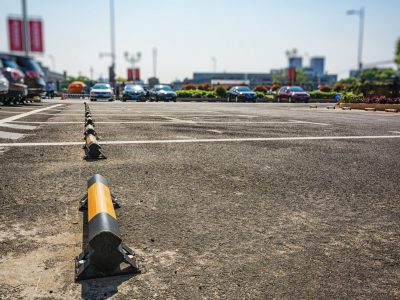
pixel 252 79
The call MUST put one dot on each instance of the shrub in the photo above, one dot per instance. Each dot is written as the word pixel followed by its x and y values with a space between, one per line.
pixel 270 97
pixel 260 88
pixel 210 95
pixel 342 87
pixel 381 100
pixel 351 98
pixel 184 94
pixel 322 95
pixel 260 95
pixel 220 91
pixel 205 87
pixel 189 86
pixel 275 87
pixel 324 88
pixel 198 94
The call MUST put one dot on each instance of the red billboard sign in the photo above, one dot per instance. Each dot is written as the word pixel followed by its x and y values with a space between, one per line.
pixel 36 35
pixel 133 74
pixel 137 74
pixel 291 76
pixel 15 34
pixel 130 74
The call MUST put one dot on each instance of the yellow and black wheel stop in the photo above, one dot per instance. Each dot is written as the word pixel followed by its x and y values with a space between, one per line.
pixel 105 252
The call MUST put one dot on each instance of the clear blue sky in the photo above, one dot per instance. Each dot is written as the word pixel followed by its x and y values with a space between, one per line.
pixel 244 35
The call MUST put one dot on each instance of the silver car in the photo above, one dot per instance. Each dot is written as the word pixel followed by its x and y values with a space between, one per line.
pixel 101 91
pixel 3 86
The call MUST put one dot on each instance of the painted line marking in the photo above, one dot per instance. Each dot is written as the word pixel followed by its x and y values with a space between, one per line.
pixel 19 116
pixel 10 135
pixel 306 122
pixel 306 138
pixel 397 132
pixel 172 122
pixel 18 126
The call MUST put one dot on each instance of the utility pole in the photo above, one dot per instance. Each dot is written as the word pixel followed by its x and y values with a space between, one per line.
pixel 214 60
pixel 25 27
pixel 112 32
pixel 53 62
pixel 154 62
pixel 361 14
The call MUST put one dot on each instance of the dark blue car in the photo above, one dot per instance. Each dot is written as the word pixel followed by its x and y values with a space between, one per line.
pixel 241 93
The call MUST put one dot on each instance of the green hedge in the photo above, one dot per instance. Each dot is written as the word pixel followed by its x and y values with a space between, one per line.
pixel 322 95
pixel 196 94
pixel 351 98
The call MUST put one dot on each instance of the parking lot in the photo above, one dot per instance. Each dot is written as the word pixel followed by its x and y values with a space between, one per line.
pixel 219 200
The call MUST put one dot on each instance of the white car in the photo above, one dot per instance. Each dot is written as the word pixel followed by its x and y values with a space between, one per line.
pixel 101 91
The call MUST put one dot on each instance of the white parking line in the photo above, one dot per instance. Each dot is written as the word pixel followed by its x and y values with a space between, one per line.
pixel 394 132
pixel 10 135
pixel 306 122
pixel 185 141
pixel 18 126
pixel 177 122
pixel 19 116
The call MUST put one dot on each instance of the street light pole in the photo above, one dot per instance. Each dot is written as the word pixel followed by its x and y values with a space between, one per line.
pixel 361 14
pixel 112 32
pixel 25 27
pixel 214 60
pixel 53 62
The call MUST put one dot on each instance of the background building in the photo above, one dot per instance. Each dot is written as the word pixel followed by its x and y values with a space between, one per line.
pixel 296 62
pixel 318 65
pixel 252 79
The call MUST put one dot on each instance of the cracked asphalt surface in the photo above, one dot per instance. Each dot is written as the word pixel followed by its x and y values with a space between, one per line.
pixel 207 220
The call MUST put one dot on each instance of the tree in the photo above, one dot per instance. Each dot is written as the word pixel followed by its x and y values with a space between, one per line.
pixel 279 77
pixel 375 74
pixel 350 80
pixel 301 78
pixel 121 79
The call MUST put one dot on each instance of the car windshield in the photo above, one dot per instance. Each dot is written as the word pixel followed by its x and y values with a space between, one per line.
pixel 29 64
pixel 101 86
pixel 134 88
pixel 296 89
pixel 10 63
pixel 164 88
pixel 243 89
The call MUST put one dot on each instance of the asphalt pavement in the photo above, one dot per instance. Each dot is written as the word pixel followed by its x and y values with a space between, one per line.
pixel 219 200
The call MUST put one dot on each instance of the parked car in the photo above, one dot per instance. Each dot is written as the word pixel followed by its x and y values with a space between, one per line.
pixel 101 91
pixel 3 87
pixel 241 93
pixel 293 94
pixel 162 93
pixel 134 92
pixel 34 75
pixel 17 89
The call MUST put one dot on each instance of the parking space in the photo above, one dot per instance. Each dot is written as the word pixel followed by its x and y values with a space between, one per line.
pixel 219 200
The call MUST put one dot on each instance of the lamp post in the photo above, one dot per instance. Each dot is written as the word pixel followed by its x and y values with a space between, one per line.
pixel 359 12
pixel 25 29
pixel 214 60
pixel 53 62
